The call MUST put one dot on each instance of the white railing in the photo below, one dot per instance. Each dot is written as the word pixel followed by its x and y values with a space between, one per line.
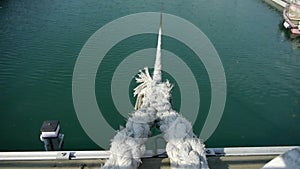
pixel 74 155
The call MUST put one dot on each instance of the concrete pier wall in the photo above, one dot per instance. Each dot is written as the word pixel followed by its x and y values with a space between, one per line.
pixel 278 4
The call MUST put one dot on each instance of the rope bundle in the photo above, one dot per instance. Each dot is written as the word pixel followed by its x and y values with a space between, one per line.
pixel 153 103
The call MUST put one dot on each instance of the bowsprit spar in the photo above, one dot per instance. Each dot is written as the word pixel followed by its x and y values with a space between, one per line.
pixel 153 106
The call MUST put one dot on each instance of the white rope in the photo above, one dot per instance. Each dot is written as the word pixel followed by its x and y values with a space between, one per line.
pixel 157 65
pixel 128 146
pixel 153 103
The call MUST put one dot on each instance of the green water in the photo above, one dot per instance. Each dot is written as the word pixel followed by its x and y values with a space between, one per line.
pixel 40 42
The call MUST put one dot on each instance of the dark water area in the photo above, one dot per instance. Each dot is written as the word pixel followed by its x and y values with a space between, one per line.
pixel 41 40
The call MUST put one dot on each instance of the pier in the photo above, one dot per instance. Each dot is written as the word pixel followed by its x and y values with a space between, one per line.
pixel 281 3
pixel 278 4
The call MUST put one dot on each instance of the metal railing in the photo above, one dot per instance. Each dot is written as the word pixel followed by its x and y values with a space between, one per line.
pixel 74 155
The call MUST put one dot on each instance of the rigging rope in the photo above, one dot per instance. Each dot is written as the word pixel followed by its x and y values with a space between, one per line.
pixel 184 149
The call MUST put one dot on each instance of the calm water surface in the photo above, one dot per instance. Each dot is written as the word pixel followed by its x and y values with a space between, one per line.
pixel 40 42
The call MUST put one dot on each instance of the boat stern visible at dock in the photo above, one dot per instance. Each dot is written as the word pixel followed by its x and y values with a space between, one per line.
pixel 291 15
